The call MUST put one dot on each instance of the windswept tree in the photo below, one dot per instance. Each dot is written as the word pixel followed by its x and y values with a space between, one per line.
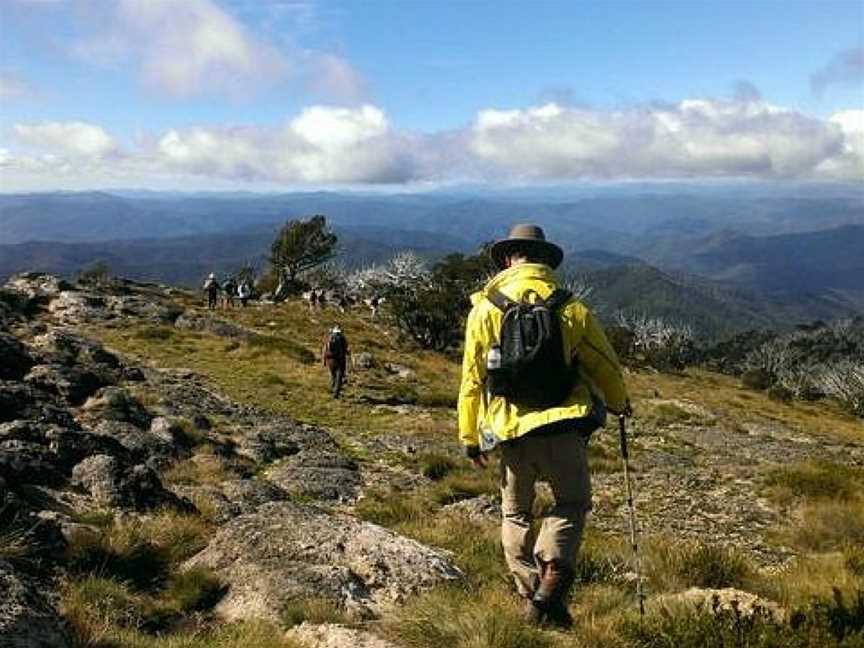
pixel 300 246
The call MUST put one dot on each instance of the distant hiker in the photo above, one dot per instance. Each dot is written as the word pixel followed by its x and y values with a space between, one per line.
pixel 322 299
pixel 374 304
pixel 342 303
pixel 537 377
pixel 211 287
pixel 230 289
pixel 311 298
pixel 244 292
pixel 335 357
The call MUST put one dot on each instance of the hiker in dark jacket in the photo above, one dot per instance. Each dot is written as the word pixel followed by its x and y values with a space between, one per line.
pixel 335 357
pixel 211 287
pixel 230 289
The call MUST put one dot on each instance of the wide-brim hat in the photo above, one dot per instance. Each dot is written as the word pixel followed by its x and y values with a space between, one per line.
pixel 530 240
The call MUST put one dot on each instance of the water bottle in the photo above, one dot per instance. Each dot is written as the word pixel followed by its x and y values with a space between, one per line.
pixel 493 358
pixel 488 440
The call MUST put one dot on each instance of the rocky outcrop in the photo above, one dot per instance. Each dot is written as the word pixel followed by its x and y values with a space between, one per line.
pixel 287 552
pixel 27 618
pixel 110 483
pixel 318 476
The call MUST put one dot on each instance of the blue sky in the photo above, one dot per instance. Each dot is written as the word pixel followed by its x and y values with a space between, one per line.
pixel 296 93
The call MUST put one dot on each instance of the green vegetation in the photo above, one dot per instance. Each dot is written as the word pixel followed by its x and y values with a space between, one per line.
pixel 814 480
pixel 313 610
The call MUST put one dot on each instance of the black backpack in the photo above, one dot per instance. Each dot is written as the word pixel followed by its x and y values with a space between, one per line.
pixel 336 346
pixel 533 371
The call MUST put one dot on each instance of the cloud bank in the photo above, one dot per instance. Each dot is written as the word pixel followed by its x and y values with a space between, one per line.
pixel 327 146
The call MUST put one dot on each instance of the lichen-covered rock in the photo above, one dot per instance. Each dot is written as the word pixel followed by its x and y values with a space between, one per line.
pixel 69 348
pixel 26 462
pixel 317 475
pixel 727 599
pixel 22 401
pixel 27 618
pixel 286 552
pixel 38 284
pixel 111 483
pixel 73 384
pixel 330 635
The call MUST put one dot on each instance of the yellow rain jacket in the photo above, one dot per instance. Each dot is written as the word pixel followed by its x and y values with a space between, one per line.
pixel 584 341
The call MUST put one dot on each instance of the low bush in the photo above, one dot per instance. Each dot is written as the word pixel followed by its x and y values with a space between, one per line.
pixel 154 333
pixel 272 343
pixel 824 623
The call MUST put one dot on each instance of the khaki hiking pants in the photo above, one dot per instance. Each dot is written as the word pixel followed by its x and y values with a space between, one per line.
pixel 561 460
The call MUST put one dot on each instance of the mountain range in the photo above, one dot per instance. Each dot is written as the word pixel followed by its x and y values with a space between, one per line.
pixel 749 255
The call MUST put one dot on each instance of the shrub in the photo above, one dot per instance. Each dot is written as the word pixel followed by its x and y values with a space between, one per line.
pixel 825 622
pixel 757 379
pixel 154 333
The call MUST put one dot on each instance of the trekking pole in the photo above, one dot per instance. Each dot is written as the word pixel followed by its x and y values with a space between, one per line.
pixel 631 509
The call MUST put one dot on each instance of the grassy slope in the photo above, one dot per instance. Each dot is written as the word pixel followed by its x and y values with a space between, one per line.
pixel 277 375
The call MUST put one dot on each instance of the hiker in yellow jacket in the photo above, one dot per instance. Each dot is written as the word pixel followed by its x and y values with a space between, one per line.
pixel 538 443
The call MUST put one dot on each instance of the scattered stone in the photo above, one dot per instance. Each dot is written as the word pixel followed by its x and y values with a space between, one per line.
pixel 481 508
pixel 364 360
pixel 285 552
pixel 330 635
pixel 143 446
pixel 22 461
pixel 400 371
pixel 38 284
pixel 201 422
pixel 728 599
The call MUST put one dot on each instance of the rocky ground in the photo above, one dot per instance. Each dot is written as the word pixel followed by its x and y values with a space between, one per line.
pixel 75 439
pixel 84 429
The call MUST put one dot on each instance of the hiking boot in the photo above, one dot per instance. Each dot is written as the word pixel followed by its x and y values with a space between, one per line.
pixel 550 599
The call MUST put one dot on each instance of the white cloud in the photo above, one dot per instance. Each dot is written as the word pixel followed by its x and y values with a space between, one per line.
pixel 186 48
pixel 69 138
pixel 327 146
pixel 695 138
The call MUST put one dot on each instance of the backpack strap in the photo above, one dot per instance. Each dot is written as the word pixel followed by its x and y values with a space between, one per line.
pixel 558 298
pixel 500 300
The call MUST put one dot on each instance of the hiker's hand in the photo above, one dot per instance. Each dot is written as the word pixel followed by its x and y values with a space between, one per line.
pixel 478 458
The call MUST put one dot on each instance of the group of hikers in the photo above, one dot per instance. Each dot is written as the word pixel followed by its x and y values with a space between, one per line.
pixel 538 378
pixel 230 289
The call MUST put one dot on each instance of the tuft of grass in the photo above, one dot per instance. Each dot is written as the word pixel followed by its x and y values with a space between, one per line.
pixel 140 552
pixel 828 526
pixel 814 480
pixel 436 466
pixel 271 379
pixel 155 333
pixel 442 398
pixel 458 618
pixel 201 469
pixel 312 610
pixel 14 545
pixel 465 484
pixel 603 460
pixel 679 564
pixel 389 508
